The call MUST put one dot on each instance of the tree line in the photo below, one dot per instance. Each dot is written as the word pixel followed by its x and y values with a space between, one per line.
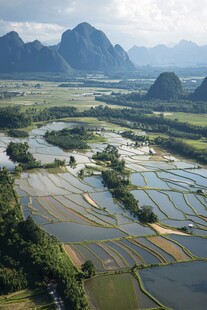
pixel 117 181
pixel 14 118
pixel 182 148
pixel 31 258
pixel 139 101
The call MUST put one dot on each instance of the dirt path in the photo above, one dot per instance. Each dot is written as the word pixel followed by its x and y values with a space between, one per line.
pixel 164 231
pixel 91 201
pixel 77 261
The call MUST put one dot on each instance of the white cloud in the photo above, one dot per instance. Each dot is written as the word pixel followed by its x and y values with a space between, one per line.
pixel 30 31
pixel 127 22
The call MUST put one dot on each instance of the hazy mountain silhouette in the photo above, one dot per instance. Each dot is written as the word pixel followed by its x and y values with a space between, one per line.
pixel 17 56
pixel 183 54
pixel 86 48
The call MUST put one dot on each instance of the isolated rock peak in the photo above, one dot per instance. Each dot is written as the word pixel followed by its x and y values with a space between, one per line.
pixel 166 87
pixel 200 93
pixel 87 48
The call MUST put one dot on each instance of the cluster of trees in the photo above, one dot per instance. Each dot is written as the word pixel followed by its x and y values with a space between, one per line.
pixel 117 181
pixel 18 133
pixel 72 161
pixel 111 155
pixel 19 152
pixel 29 257
pixel 117 184
pixel 129 134
pixel 56 163
pixel 88 269
pixel 14 118
pixel 52 113
pixel 8 94
pixel 12 275
pixel 69 138
pixel 183 148
pixel 146 215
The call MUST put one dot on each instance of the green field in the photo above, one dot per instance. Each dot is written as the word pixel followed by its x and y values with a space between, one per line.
pixel 194 119
pixel 117 292
pixel 26 299
pixel 50 95
pixel 198 144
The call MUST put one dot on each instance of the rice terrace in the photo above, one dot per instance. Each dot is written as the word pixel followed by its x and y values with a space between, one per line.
pixel 113 198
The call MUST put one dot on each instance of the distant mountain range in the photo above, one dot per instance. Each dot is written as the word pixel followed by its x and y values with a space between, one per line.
pixel 84 48
pixel 17 56
pixel 183 54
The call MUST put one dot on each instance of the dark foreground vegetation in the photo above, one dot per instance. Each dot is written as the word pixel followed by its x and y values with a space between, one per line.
pixel 29 257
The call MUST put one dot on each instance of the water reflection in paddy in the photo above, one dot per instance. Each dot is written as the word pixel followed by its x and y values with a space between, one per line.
pixel 144 200
pixel 183 178
pixel 192 175
pixel 180 202
pixel 147 256
pixel 179 224
pixel 190 289
pixel 94 181
pixel 108 261
pixel 122 252
pixel 105 200
pixel 153 181
pixel 146 242
pixel 198 220
pixel 138 179
pixel 166 204
pixel 196 245
pixel 136 229
pixel 73 232
pixel 5 161
pixel 196 204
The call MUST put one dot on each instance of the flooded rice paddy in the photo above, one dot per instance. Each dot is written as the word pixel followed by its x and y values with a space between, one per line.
pixel 78 210
pixel 180 286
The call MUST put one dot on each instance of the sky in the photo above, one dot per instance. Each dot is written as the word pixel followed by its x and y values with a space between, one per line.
pixel 126 22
